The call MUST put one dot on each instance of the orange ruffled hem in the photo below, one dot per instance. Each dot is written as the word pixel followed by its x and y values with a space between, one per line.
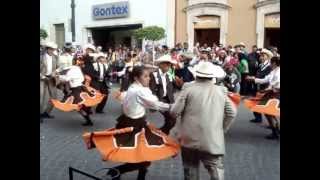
pixel 87 100
pixel 104 141
pixel 270 108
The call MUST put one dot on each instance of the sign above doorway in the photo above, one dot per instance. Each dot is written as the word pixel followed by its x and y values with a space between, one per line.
pixel 110 10
pixel 206 22
pixel 272 21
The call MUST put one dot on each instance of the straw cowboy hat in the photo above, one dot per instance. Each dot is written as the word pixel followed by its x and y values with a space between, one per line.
pixel 267 52
pixel 51 45
pixel 89 46
pixel 240 44
pixel 207 70
pixel 165 58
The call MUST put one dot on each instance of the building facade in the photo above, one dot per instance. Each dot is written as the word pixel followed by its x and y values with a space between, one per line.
pixel 111 22
pixel 254 22
pixel 106 22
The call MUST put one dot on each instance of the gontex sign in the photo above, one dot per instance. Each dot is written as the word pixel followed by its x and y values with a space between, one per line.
pixel 110 10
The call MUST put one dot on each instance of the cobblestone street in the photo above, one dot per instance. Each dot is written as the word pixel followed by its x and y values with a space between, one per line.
pixel 249 156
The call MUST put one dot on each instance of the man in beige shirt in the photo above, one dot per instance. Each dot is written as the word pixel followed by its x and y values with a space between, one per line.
pixel 206 113
pixel 49 62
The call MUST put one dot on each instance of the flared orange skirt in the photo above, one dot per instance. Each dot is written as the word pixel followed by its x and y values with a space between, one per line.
pixel 87 100
pixel 264 104
pixel 132 141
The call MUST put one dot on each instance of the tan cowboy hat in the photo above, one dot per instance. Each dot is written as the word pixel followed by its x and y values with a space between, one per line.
pixel 165 58
pixel 208 70
pixel 242 44
pixel 267 52
pixel 51 45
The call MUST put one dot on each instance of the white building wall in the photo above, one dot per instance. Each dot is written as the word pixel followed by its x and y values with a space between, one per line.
pixel 143 12
pixel 55 12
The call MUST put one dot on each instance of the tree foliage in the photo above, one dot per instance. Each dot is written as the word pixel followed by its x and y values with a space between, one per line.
pixel 43 34
pixel 153 33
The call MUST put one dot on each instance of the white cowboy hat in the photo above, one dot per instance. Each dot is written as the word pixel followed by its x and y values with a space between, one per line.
pixel 207 70
pixel 166 58
pixel 51 45
pixel 89 46
pixel 267 52
pixel 68 45
pixel 188 55
pixel 204 50
pixel 97 55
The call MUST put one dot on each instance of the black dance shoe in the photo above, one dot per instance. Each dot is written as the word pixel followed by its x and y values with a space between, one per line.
pixel 272 137
pixel 255 121
pixel 46 115
pixel 114 174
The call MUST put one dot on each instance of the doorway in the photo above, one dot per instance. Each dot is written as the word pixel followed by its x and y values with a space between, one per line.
pixel 208 36
pixel 114 36
pixel 272 38
pixel 60 35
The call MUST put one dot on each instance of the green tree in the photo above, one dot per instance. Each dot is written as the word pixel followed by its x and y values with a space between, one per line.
pixel 43 34
pixel 151 33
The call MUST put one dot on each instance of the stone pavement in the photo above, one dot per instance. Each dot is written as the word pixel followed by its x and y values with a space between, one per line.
pixel 248 155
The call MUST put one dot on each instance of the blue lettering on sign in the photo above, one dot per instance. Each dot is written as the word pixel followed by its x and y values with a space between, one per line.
pixel 125 9
pixel 108 11
pixel 113 8
pixel 102 12
pixel 96 11
pixel 111 11
pixel 118 10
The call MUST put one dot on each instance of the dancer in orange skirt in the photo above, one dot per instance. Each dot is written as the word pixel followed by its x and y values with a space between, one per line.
pixel 269 103
pixel 134 140
pixel 82 96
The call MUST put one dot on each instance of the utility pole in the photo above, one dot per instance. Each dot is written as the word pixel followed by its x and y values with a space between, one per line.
pixel 73 26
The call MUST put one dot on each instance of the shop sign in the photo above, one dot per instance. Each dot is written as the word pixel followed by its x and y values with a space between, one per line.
pixel 110 10
pixel 272 21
